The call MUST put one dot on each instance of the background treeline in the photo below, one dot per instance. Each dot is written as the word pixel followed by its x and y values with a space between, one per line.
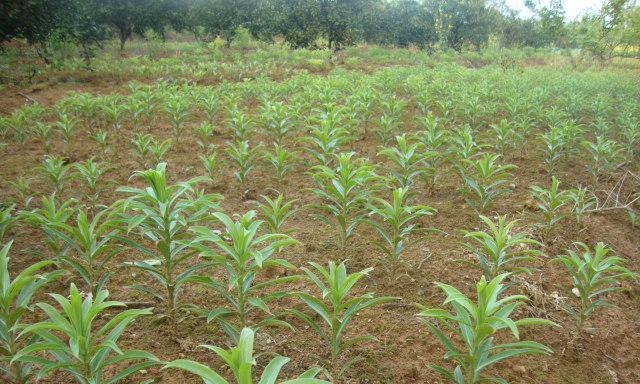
pixel 426 24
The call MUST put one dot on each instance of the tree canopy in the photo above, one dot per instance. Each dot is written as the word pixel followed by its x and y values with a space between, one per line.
pixel 455 24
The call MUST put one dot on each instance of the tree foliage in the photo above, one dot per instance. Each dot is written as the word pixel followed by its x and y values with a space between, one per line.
pixel 430 24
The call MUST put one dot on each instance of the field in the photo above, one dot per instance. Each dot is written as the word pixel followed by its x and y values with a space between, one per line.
pixel 453 137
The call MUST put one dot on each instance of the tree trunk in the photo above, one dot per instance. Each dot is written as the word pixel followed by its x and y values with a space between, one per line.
pixel 43 53
pixel 124 31
pixel 86 55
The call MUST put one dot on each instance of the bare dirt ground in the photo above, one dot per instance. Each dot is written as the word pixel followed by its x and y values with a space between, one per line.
pixel 609 352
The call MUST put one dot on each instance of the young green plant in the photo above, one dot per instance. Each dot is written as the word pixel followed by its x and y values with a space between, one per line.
pixel 244 256
pixel 278 120
pixel 243 155
pixel 47 218
pixel 46 135
pixel 15 298
pixel 397 223
pixel 281 159
pixel 177 108
pixel 92 242
pixel 142 146
pixel 345 191
pixel 102 139
pixel 605 156
pixel 204 133
pixel 276 211
pixel 8 219
pixel 554 148
pixel 551 201
pixel 434 137
pixel 325 140
pixel 56 170
pixel 240 360
pixel 240 124
pixel 336 307
pixel 22 186
pixel 210 164
pixel 162 213
pixel 593 273
pixel 475 325
pixel 158 149
pixel 485 178
pixel 92 173
pixel 502 249
pixel 67 126
pixel 503 134
pixel 583 201
pixel 71 342
pixel 408 159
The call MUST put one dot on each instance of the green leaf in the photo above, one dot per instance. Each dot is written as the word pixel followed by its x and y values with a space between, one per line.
pixel 208 375
pixel 272 370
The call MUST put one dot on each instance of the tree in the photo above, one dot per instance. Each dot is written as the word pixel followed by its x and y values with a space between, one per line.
pixel 137 16
pixel 632 32
pixel 41 22
pixel 124 16
pixel 463 23
pixel 338 20
pixel 611 32
pixel 550 21
pixel 222 17
pixel 38 21
pixel 85 28
pixel 8 19
pixel 402 23
pixel 298 21
pixel 518 32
